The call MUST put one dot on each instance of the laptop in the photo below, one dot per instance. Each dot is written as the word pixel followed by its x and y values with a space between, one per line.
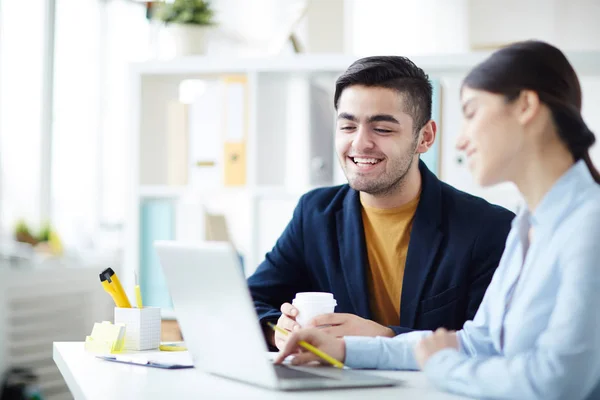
pixel 216 315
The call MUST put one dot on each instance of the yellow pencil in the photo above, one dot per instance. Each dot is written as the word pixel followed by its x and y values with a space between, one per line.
pixel 138 293
pixel 310 348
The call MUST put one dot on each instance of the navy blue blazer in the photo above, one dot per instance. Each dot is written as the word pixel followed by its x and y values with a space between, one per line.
pixel 455 246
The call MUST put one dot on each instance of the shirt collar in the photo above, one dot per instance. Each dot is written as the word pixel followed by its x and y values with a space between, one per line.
pixel 558 199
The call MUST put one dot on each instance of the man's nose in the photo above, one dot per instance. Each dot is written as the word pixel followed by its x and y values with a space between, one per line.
pixel 362 139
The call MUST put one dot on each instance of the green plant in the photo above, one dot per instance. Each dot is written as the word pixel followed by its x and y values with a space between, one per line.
pixel 23 234
pixel 194 12
pixel 22 228
pixel 44 235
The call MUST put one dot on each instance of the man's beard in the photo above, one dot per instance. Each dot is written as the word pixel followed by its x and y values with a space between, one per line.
pixel 389 182
pixel 384 185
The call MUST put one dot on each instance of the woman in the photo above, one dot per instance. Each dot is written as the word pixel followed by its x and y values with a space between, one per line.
pixel 537 331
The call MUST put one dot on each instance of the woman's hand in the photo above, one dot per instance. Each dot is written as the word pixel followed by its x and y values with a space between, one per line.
pixel 335 347
pixel 439 340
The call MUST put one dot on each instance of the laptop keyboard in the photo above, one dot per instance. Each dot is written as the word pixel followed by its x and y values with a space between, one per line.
pixel 289 373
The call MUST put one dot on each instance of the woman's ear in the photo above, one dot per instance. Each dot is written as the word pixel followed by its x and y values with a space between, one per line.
pixel 426 137
pixel 527 106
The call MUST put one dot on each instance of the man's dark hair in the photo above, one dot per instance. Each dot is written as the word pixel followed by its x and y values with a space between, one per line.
pixel 392 72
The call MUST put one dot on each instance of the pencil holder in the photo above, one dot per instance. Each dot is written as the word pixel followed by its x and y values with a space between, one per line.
pixel 142 327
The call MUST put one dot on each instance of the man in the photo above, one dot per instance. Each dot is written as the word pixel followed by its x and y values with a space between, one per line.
pixel 399 249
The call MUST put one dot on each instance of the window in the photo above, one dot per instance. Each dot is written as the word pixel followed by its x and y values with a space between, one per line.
pixel 21 94
pixel 95 42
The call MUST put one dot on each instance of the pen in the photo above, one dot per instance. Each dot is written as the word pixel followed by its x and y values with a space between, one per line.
pixel 112 285
pixel 138 293
pixel 310 348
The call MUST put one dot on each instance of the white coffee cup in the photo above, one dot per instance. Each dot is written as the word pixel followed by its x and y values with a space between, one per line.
pixel 312 304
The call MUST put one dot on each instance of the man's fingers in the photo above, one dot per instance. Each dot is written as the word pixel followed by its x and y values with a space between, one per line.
pixel 337 331
pixel 280 356
pixel 280 341
pixel 284 349
pixel 326 319
pixel 291 344
pixel 289 310
pixel 287 323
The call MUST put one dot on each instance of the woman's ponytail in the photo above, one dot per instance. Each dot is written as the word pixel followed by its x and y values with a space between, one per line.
pixel 574 132
pixel 591 167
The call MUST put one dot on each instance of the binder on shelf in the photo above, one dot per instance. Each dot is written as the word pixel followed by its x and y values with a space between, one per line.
pixel 177 143
pixel 205 137
pixel 322 119
pixel 235 130
pixel 193 222
pixel 215 227
pixel 235 164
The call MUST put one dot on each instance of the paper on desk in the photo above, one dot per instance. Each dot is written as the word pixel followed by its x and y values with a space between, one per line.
pixel 182 358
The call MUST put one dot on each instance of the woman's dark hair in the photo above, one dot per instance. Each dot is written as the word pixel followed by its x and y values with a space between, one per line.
pixel 544 69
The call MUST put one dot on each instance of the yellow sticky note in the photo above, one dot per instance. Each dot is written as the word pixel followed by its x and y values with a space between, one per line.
pixel 106 338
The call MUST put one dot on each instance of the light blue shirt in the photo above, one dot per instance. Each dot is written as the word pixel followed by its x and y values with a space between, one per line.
pixel 536 334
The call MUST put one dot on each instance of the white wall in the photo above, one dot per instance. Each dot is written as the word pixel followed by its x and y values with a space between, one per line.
pixel 254 27
pixel 590 87
pixel 570 25
pixel 453 26
pixel 408 26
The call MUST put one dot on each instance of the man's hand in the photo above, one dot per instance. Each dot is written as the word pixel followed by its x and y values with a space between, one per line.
pixel 439 340
pixel 349 325
pixel 288 322
pixel 330 345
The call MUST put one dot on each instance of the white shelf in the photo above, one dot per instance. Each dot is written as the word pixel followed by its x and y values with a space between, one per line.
pixel 582 60
pixel 226 65
pixel 161 191
pixel 175 192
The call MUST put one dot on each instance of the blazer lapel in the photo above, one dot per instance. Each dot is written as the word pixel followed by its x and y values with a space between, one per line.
pixel 353 253
pixel 424 243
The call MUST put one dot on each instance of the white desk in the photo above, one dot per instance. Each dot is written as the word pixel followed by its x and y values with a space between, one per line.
pixel 92 378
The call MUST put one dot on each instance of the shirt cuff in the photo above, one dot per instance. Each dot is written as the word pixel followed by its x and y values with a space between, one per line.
pixel 361 352
pixel 440 364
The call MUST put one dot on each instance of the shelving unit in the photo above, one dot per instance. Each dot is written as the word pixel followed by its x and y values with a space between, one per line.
pixel 289 135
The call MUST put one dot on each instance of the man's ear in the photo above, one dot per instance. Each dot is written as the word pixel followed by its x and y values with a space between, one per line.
pixel 527 106
pixel 426 137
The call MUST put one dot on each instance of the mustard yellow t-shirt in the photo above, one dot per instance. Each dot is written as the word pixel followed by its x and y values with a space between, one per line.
pixel 387 234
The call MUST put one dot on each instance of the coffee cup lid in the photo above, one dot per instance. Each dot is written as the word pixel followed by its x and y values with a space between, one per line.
pixel 314 296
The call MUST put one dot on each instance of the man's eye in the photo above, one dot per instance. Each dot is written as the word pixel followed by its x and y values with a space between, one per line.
pixel 381 130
